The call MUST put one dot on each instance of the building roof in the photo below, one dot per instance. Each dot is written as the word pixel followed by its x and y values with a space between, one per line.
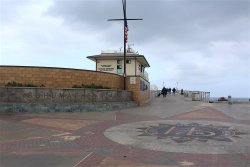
pixel 115 55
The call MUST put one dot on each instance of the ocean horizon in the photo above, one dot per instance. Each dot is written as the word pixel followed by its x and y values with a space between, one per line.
pixel 236 99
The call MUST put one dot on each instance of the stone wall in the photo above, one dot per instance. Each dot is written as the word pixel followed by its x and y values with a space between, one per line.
pixel 58 100
pixel 55 95
pixel 65 107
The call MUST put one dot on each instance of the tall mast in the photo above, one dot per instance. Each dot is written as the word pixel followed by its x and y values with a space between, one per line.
pixel 125 38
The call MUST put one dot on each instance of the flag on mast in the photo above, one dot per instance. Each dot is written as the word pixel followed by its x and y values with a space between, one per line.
pixel 126 31
pixel 125 21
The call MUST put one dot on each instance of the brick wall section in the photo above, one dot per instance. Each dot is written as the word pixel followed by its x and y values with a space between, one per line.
pixel 58 77
pixel 135 88
pixel 142 97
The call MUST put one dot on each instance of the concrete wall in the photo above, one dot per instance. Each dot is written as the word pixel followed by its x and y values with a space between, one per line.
pixel 58 77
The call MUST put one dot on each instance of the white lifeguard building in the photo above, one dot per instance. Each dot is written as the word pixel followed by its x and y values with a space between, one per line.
pixel 136 80
pixel 111 61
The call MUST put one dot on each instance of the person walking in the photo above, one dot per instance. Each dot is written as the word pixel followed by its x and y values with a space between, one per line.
pixel 182 92
pixel 174 90
pixel 164 91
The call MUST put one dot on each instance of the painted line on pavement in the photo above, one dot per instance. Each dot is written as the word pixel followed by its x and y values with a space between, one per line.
pixel 83 159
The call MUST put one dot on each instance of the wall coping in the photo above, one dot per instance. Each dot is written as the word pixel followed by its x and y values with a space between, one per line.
pixel 9 87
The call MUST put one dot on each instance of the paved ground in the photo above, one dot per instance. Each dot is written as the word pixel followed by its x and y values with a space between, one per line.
pixel 171 132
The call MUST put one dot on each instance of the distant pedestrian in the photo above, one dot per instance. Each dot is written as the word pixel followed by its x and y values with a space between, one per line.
pixel 174 90
pixel 181 91
pixel 164 91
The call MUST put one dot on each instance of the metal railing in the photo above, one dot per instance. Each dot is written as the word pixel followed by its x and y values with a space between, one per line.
pixel 118 51
pixel 111 51
pixel 198 95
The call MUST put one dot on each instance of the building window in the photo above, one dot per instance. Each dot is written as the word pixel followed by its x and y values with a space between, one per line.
pixel 142 68
pixel 119 61
pixel 128 61
pixel 119 66
pixel 119 69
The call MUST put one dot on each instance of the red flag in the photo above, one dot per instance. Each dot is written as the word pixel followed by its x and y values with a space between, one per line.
pixel 126 33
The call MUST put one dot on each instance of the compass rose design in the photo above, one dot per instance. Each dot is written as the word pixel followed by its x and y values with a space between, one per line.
pixel 191 132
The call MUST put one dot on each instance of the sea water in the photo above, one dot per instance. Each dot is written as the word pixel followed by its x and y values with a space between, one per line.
pixel 236 99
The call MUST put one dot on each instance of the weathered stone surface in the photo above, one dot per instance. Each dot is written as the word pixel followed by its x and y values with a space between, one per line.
pixel 69 100
pixel 52 95
pixel 67 107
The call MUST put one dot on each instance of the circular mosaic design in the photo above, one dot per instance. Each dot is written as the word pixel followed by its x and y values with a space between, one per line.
pixel 185 136
pixel 193 131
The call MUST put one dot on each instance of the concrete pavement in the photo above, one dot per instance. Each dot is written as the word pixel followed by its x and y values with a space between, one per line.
pixel 172 131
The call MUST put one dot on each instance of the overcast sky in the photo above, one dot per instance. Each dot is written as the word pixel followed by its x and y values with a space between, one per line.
pixel 201 44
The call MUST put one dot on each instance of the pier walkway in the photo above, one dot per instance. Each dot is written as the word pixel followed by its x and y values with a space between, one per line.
pixel 168 132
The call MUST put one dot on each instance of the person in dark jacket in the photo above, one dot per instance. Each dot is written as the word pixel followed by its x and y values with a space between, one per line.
pixel 182 93
pixel 164 91
pixel 173 90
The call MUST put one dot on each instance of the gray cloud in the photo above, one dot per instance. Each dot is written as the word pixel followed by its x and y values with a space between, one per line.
pixel 178 21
